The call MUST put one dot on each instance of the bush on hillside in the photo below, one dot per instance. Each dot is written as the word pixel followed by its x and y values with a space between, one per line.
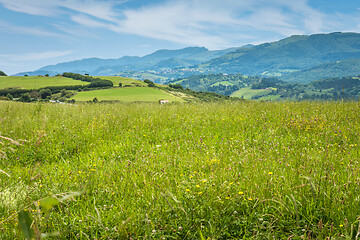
pixel 45 93
pixel 9 96
pixel 176 86
pixel 25 98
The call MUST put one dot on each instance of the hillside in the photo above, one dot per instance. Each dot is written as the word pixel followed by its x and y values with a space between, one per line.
pixel 127 94
pixel 237 85
pixel 72 87
pixel 36 82
pixel 345 88
pixel 289 54
pixel 344 68
pixel 219 83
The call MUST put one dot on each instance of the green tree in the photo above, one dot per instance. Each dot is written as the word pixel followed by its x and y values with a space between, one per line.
pixel 9 96
pixel 151 84
pixel 63 92
pixel 2 73
pixel 34 94
pixel 176 86
pixel 46 75
pixel 25 98
pixel 147 81
pixel 45 93
pixel 95 100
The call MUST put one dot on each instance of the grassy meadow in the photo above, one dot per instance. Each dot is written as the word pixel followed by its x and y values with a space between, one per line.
pixel 248 93
pixel 36 82
pixel 235 170
pixel 127 94
pixel 124 81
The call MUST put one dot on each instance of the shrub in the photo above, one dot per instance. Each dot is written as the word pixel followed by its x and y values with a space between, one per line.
pixel 100 83
pixel 45 93
pixel 151 84
pixel 176 86
pixel 25 98
pixel 9 96
pixel 4 98
pixel 147 81
pixel 34 94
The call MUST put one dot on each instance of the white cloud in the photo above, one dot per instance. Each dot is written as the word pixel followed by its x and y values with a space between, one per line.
pixel 100 9
pixel 215 24
pixel 210 23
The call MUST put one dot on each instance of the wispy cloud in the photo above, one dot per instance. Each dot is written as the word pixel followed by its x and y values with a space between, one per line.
pixel 210 23
pixel 35 56
pixel 11 28
pixel 215 23
pixel 103 9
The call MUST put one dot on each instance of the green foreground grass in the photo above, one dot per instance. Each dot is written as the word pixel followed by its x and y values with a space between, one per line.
pixel 36 82
pixel 127 94
pixel 244 170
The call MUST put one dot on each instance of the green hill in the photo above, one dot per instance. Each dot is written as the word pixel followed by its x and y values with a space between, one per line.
pixel 126 82
pixel 237 85
pixel 289 54
pixel 345 88
pixel 128 94
pixel 219 83
pixel 36 82
pixel 344 68
pixel 105 88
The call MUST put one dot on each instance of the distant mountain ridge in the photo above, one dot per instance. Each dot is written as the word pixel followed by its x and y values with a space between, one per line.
pixel 161 59
pixel 299 58
pixel 293 53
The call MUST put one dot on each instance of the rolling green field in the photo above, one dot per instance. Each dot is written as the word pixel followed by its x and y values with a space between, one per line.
pixel 235 170
pixel 36 82
pixel 248 93
pixel 125 81
pixel 127 94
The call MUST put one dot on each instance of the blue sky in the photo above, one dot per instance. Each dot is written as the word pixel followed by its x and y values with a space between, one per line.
pixel 35 33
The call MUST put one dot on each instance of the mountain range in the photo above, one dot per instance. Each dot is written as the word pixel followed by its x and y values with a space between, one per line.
pixel 159 60
pixel 299 58
pixel 286 57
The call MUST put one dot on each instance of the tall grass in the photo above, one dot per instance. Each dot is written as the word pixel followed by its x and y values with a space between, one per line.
pixel 248 170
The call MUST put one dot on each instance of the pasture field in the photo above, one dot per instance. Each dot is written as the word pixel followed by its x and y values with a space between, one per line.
pixel 36 82
pixel 125 81
pixel 248 93
pixel 127 94
pixel 235 170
